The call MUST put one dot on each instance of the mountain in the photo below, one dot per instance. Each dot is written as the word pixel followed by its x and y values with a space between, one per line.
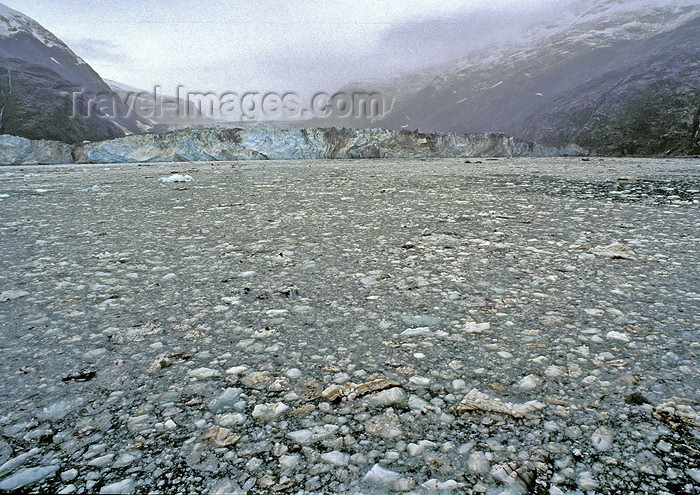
pixel 172 116
pixel 618 77
pixel 38 76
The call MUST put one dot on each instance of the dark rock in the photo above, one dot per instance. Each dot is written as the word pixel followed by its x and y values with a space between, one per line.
pixel 636 399
pixel 38 76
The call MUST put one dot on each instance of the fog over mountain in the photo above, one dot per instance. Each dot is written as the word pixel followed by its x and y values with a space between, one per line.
pixel 555 71
pixel 613 80
pixel 303 46
pixel 38 75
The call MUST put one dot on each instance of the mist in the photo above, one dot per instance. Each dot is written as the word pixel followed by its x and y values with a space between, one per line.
pixel 291 45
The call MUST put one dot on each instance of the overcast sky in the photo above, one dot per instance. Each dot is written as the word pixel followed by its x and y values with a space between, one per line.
pixel 278 45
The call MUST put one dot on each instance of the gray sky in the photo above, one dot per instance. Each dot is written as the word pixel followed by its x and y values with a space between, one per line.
pixel 277 45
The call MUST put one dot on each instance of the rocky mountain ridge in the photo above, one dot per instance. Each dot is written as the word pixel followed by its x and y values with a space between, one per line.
pixel 618 78
pixel 39 74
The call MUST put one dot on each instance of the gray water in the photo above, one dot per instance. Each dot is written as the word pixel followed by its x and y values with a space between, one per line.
pixel 316 326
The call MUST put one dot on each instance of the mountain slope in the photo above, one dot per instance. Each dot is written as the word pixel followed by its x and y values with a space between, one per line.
pixel 650 106
pixel 38 74
pixel 173 115
pixel 618 82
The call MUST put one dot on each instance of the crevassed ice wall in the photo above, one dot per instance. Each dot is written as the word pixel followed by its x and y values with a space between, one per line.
pixel 257 143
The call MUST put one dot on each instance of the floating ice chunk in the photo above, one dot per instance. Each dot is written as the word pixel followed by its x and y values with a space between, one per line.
pixel 203 373
pixel 440 485
pixel 586 481
pixel 15 462
pixel 226 400
pixel 695 474
pixel 316 434
pixel 236 370
pixel 421 381
pixel 177 178
pixel 478 463
pixel 301 437
pixel 519 480
pixel 4 195
pixel 56 411
pixel 381 476
pixel 616 250
pixel 336 458
pixel 268 412
pixel 413 332
pixel 123 461
pixel 473 327
pixel 613 335
pixel 27 476
pixel 530 382
pixel 124 486
pixel 90 189
pixel 11 295
pixel 395 396
pixel 603 438
pixel 230 419
pixel 421 321
pixel 477 400
pixel 554 371
pixel 415 403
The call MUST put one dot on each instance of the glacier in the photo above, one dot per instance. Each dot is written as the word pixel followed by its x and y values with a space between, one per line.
pixel 15 150
pixel 269 143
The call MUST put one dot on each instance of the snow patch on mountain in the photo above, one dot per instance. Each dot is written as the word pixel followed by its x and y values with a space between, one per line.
pixel 12 22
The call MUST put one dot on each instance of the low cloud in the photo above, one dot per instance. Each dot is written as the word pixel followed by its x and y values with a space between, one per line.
pixel 92 49
pixel 443 38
